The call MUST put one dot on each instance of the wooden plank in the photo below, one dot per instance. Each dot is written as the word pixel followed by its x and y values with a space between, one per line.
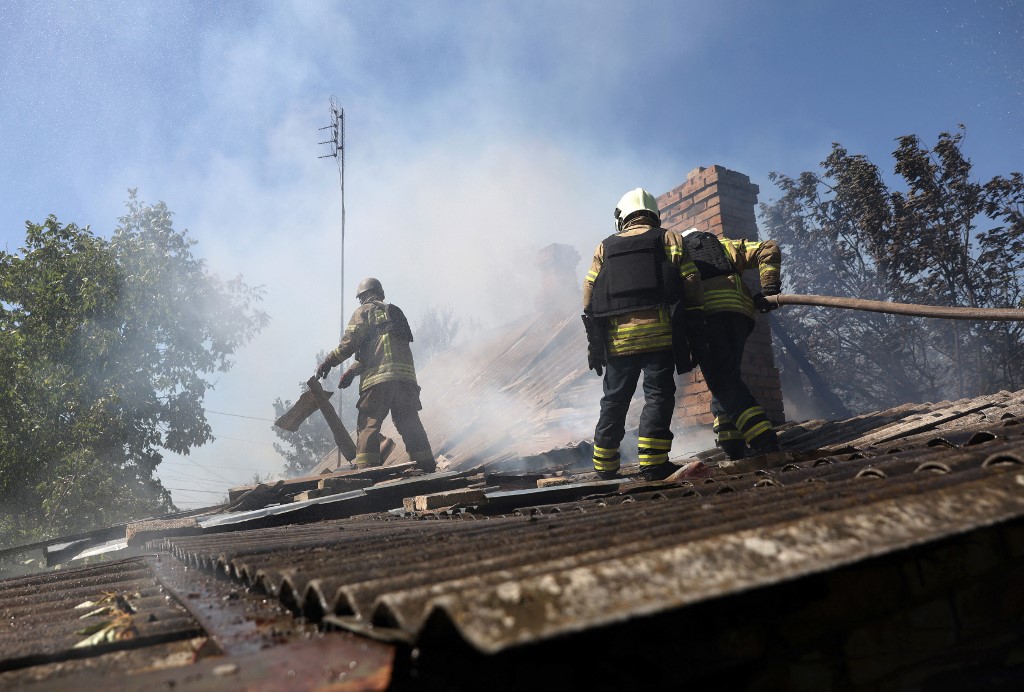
pixel 452 498
pixel 341 436
pixel 291 419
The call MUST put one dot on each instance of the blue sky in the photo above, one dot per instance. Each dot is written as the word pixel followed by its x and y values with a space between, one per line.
pixel 478 132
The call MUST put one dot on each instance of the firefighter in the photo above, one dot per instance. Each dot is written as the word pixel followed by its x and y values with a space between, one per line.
pixel 742 427
pixel 378 335
pixel 641 289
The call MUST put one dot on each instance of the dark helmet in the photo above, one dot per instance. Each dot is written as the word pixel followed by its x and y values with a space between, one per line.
pixel 369 285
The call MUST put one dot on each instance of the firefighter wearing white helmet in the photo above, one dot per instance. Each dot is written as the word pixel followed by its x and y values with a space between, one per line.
pixel 378 335
pixel 643 308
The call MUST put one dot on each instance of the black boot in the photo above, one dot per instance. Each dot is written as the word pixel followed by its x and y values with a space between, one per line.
pixel 658 472
pixel 734 449
pixel 765 443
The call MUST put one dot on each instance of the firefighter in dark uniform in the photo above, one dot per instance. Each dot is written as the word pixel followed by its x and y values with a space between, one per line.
pixel 378 335
pixel 741 425
pixel 641 283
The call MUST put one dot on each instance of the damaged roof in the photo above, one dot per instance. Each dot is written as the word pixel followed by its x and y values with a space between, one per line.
pixel 501 564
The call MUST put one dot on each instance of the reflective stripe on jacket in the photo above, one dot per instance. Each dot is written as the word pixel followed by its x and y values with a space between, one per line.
pixel 729 292
pixel 646 330
pixel 383 356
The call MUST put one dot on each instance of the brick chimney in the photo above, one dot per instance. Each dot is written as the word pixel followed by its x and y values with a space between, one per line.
pixel 722 201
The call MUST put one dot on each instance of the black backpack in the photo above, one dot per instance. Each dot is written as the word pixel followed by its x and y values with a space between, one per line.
pixel 706 251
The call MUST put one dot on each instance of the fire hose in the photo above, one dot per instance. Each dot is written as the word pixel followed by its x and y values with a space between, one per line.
pixel 909 309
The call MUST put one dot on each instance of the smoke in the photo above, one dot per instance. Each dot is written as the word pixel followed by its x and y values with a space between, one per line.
pixel 469 147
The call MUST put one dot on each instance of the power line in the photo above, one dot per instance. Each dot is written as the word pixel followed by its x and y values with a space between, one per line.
pixel 238 415
pixel 207 466
pixel 192 490
pixel 238 439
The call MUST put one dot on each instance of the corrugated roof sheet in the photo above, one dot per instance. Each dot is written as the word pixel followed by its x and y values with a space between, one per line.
pixel 877 484
pixel 513 567
pixel 44 623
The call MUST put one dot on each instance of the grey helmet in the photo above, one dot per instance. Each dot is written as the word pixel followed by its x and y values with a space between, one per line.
pixel 369 285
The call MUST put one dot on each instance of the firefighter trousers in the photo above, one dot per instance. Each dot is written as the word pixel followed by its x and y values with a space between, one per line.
pixel 402 401
pixel 739 419
pixel 620 379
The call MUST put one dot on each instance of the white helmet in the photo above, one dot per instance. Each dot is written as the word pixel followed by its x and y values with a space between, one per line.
pixel 638 201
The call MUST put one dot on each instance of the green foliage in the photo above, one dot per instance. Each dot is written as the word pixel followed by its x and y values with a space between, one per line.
pixel 105 351
pixel 845 233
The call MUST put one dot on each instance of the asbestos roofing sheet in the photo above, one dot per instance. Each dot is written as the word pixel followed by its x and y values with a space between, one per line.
pixel 50 617
pixel 929 420
pixel 901 422
pixel 517 578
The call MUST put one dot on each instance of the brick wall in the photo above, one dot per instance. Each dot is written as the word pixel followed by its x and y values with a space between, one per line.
pixel 722 201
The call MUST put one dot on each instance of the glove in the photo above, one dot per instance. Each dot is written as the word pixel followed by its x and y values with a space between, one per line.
pixel 597 354
pixel 764 305
pixel 346 379
pixel 323 370
pixel 594 363
pixel 771 289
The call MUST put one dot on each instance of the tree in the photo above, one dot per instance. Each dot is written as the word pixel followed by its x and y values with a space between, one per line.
pixel 844 232
pixel 105 351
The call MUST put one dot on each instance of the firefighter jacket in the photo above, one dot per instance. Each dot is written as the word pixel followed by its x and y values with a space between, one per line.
pixel 648 330
pixel 378 335
pixel 729 293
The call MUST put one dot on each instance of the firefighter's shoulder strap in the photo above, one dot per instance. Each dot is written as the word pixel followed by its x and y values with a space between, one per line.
pixel 636 274
pixel 397 325
pixel 707 253
pixel 383 318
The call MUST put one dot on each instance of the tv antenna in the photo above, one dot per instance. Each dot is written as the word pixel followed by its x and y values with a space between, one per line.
pixel 337 151
pixel 337 145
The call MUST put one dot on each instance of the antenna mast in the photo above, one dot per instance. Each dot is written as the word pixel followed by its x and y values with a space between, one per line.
pixel 337 144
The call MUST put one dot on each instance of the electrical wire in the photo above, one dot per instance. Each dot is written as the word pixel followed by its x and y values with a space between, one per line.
pixel 238 439
pixel 239 415
pixel 207 466
pixel 192 490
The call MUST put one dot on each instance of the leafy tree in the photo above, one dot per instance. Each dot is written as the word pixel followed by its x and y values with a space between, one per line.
pixel 945 239
pixel 106 347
